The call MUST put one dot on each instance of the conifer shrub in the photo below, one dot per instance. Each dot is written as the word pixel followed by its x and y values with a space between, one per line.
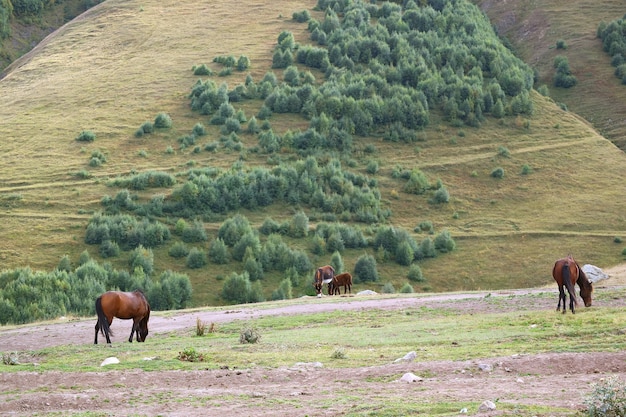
pixel 365 269
pixel 218 252
pixel 162 121
pixel 178 250
pixel 415 274
pixel 202 69
pixel 196 258
pixel 86 136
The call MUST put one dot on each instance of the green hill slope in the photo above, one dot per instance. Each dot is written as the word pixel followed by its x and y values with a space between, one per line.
pixel 124 62
pixel 534 30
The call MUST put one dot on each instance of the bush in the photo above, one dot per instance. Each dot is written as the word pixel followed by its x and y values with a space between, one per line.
pixel 218 252
pixel 249 335
pixel 86 136
pixel 178 250
pixel 195 233
pixel 142 257
pixel 243 63
pixel 190 355
pixel 415 274
pixel 608 399
pixel 147 127
pixel 202 69
pixel 302 16
pixel 444 243
pixel 365 269
pixel 388 288
pixel 407 289
pixel 109 249
pixel 441 196
pixel 238 289
pixel 560 44
pixel 162 121
pixel 196 259
pixel 497 173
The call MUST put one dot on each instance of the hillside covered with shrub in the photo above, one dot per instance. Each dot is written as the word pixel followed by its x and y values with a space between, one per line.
pixel 401 142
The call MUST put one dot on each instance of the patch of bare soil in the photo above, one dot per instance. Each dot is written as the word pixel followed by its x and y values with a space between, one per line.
pixel 556 379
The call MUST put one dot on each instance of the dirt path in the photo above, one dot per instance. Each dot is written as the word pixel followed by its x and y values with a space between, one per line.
pixel 557 379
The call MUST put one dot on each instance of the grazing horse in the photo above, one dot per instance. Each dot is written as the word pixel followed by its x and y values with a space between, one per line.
pixel 341 280
pixel 323 275
pixel 567 273
pixel 123 305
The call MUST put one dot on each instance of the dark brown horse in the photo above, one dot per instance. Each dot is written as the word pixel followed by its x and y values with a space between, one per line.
pixel 125 306
pixel 567 273
pixel 323 275
pixel 341 280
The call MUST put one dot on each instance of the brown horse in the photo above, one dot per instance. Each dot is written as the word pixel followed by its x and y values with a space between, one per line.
pixel 341 280
pixel 125 306
pixel 323 275
pixel 567 273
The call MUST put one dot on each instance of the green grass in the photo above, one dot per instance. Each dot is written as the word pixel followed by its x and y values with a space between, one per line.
pixel 130 63
pixel 365 338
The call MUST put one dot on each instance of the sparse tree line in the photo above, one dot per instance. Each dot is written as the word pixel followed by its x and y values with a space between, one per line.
pixel 29 8
pixel 613 36
pixel 264 250
pixel 27 296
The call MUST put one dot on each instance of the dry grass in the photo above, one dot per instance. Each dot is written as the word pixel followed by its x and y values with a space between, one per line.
pixel 124 62
pixel 535 27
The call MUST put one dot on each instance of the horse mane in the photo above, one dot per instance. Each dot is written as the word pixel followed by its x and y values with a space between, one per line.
pixel 582 280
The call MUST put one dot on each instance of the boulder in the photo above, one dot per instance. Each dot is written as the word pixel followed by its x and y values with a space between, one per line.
pixel 110 361
pixel 594 274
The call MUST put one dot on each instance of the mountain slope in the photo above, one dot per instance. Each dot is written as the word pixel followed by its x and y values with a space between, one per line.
pixel 534 28
pixel 123 62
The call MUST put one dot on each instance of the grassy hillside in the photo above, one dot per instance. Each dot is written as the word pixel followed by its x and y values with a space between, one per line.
pixel 534 28
pixel 123 62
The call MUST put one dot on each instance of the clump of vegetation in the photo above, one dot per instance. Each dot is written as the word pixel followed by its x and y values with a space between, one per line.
pixel 201 69
pixel 497 173
pixel 11 358
pixel 407 289
pixel 249 335
pixel 613 36
pixel 86 136
pixel 608 399
pixel 162 121
pixel 415 274
pixel 339 353
pixel 190 355
pixel 97 159
pixel 201 327
pixel 563 76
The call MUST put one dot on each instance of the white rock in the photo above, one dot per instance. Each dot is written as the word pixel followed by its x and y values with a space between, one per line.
pixel 485 367
pixel 309 365
pixel 486 406
pixel 409 357
pixel 594 274
pixel 367 292
pixel 110 361
pixel 410 377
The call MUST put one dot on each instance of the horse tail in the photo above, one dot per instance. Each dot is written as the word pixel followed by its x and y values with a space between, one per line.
pixel 567 281
pixel 102 319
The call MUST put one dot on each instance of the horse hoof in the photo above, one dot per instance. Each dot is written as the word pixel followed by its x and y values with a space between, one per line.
pixel 319 295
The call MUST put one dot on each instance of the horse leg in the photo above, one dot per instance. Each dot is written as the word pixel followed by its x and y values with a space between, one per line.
pixel 561 298
pixel 134 329
pixel 95 340
pixel 571 304
pixel 107 333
